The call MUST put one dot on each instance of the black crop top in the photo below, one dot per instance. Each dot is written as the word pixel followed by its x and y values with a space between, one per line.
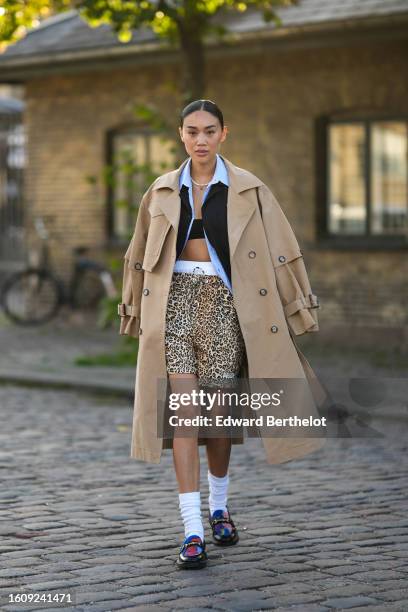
pixel 197 230
pixel 214 220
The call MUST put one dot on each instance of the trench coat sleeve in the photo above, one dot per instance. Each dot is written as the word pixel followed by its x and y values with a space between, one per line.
pixel 299 302
pixel 133 274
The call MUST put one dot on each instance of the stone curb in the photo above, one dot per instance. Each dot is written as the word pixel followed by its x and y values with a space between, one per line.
pixel 34 378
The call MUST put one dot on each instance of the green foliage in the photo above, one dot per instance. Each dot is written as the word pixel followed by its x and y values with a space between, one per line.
pixel 169 19
pixel 16 17
pixel 125 356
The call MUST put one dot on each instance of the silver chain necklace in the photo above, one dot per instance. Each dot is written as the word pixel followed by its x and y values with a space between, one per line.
pixel 200 185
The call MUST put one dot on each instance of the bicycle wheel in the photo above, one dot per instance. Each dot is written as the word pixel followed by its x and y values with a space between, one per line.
pixel 31 297
pixel 88 289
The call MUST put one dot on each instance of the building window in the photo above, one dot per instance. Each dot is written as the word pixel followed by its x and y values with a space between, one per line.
pixel 136 156
pixel 366 181
pixel 12 165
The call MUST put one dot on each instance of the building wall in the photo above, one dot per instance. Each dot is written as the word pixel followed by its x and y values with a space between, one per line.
pixel 270 102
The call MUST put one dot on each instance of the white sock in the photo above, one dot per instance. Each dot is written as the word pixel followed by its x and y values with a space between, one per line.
pixel 217 499
pixel 190 509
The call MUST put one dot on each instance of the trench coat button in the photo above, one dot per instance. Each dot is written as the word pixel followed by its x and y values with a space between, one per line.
pixel 146 292
pixel 274 329
pixel 263 291
pixel 282 258
pixel 251 254
pixel 140 331
pixel 138 265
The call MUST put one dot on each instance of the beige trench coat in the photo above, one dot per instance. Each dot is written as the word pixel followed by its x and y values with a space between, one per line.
pixel 269 321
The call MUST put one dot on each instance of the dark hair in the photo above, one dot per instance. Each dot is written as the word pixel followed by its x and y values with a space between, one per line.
pixel 206 105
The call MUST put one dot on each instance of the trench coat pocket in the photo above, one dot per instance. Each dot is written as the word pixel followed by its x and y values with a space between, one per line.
pixel 298 300
pixel 158 230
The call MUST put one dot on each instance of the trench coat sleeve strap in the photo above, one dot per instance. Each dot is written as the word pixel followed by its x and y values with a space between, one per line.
pixel 133 274
pixel 299 302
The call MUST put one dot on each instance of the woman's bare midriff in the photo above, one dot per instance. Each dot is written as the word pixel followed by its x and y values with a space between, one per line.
pixel 195 250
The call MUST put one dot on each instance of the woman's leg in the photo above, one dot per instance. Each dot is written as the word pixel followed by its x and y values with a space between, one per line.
pixel 181 368
pixel 218 458
pixel 220 353
pixel 186 457
pixel 180 359
pixel 187 461
pixel 218 455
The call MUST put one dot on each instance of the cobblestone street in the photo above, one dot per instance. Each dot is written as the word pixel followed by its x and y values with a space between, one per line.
pixel 204 234
pixel 77 515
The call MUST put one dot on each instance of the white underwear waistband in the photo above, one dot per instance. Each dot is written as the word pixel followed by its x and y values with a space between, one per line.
pixel 194 267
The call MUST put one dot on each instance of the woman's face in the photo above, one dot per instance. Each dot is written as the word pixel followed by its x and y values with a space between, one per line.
pixel 202 135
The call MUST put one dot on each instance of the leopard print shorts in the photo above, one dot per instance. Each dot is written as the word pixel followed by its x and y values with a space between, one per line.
pixel 203 335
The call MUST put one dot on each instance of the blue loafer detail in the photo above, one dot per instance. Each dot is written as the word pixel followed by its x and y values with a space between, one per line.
pixel 192 554
pixel 224 531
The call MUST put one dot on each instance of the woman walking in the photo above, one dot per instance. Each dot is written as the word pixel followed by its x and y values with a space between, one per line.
pixel 189 282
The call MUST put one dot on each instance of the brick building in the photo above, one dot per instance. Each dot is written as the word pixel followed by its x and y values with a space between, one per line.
pixel 316 108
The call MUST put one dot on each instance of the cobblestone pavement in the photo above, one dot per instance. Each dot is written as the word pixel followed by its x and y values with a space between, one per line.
pixel 327 532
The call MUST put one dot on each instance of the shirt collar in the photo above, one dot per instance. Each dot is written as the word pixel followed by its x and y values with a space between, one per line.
pixel 220 174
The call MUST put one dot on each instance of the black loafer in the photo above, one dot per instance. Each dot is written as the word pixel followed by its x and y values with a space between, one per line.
pixel 192 554
pixel 224 531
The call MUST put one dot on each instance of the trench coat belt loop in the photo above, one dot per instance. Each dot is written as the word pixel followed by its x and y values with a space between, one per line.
pixel 310 302
pixel 127 309
pixel 314 301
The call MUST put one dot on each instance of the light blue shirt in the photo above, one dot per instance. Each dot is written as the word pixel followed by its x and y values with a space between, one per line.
pixel 220 174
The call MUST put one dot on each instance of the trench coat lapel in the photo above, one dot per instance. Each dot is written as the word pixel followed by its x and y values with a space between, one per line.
pixel 239 208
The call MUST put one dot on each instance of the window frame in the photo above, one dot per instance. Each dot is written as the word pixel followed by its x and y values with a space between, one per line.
pixel 124 128
pixel 366 241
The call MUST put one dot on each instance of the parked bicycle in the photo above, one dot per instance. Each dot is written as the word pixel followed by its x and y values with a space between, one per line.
pixel 35 295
